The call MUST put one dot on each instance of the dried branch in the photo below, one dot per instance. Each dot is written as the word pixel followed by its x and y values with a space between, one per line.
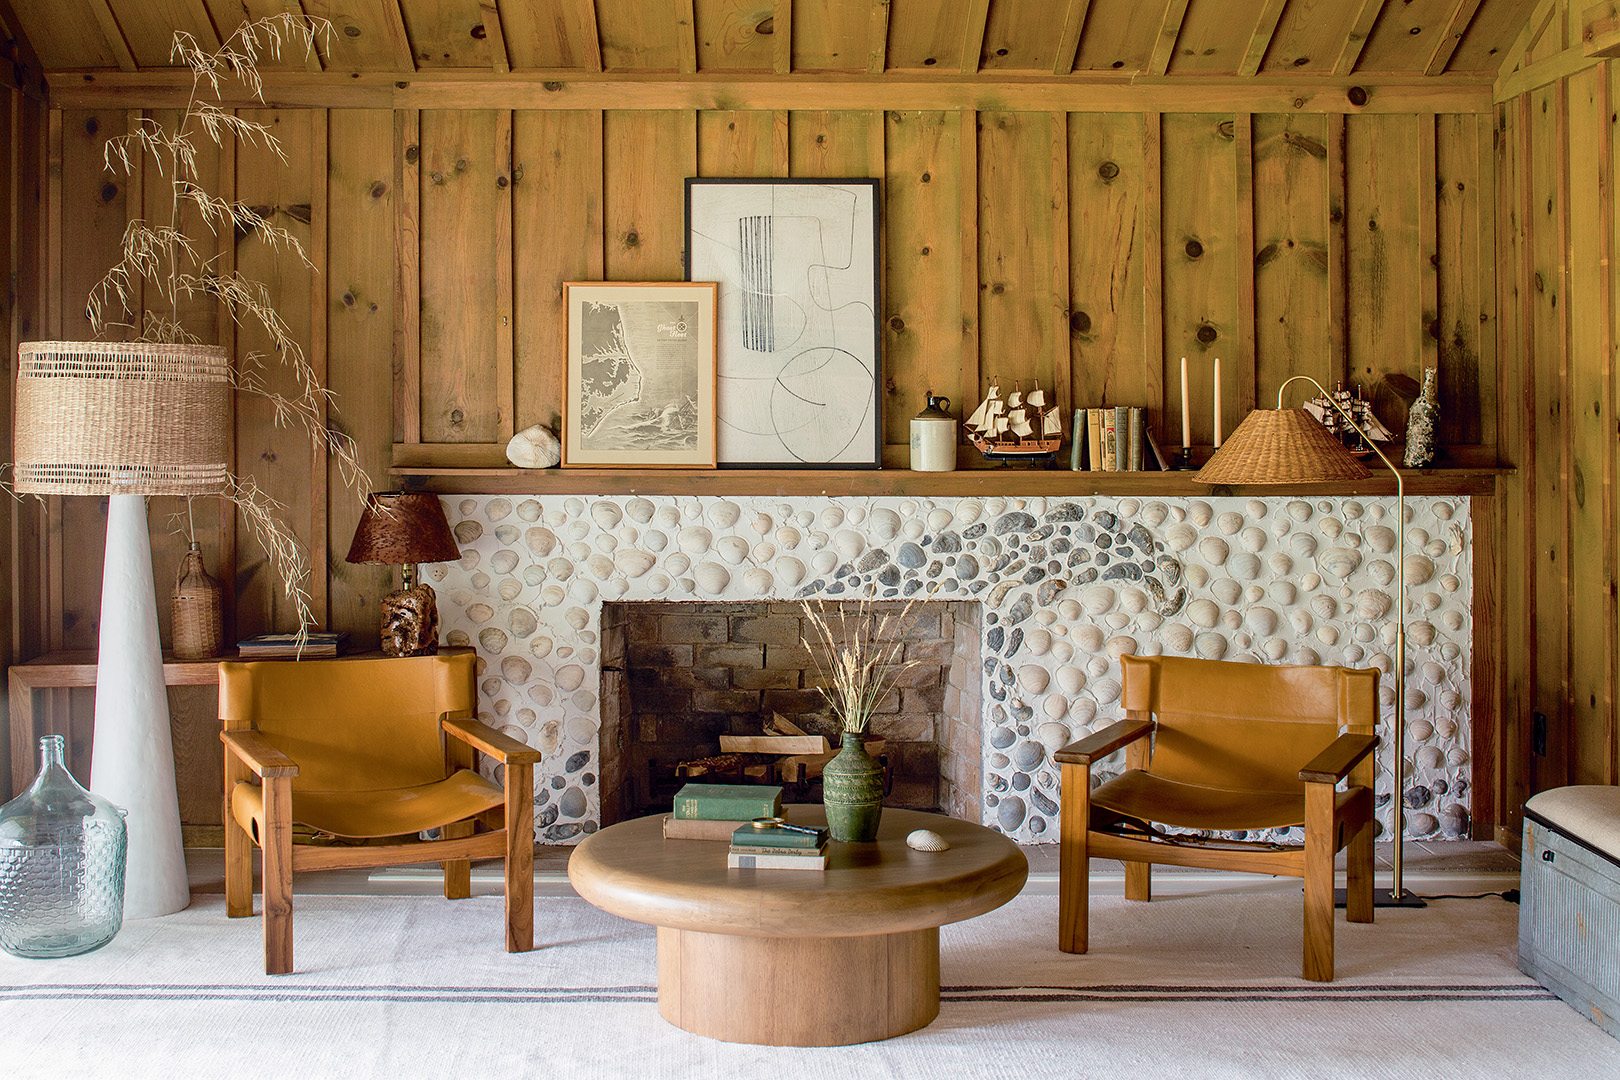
pixel 860 655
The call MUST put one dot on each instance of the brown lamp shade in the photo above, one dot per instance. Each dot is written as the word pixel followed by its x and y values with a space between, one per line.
pixel 403 527
pixel 1281 446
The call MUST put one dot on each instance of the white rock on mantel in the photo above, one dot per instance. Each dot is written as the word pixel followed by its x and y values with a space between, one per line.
pixel 1066 585
pixel 534 447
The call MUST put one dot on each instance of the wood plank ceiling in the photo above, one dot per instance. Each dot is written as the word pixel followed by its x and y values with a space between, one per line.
pixel 987 38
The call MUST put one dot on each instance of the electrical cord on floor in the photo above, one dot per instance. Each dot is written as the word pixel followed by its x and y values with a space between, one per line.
pixel 1510 895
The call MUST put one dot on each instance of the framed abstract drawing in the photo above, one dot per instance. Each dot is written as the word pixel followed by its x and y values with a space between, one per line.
pixel 798 355
pixel 639 390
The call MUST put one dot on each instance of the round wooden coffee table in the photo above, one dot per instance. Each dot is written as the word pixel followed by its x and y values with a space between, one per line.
pixel 796 957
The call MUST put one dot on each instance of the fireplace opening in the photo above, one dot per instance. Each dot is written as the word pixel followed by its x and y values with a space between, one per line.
pixel 678 676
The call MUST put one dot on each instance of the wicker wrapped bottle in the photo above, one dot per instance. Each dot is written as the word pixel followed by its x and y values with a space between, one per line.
pixel 197 610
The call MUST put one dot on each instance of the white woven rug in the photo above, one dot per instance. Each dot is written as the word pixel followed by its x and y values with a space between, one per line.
pixel 1202 985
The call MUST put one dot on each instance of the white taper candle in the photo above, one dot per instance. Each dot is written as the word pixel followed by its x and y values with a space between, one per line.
pixel 1186 417
pixel 1217 403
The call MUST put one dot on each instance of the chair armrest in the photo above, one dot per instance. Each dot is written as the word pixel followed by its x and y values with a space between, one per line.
pixel 480 736
pixel 256 752
pixel 1102 743
pixel 1332 764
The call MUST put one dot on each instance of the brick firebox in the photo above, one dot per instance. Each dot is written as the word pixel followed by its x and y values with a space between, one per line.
pixel 676 676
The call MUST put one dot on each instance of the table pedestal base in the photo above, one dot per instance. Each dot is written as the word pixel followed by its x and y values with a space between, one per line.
pixel 810 991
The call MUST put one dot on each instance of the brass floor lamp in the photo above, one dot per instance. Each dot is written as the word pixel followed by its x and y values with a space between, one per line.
pixel 1290 446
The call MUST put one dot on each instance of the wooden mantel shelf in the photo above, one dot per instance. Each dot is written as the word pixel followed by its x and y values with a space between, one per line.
pixel 902 482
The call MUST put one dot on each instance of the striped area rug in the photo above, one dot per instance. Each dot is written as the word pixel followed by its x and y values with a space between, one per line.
pixel 1193 985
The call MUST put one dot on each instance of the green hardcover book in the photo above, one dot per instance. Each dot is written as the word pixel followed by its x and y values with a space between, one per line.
pixel 750 837
pixel 728 802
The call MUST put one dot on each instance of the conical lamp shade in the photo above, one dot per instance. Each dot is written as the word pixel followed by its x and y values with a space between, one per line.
pixel 1281 446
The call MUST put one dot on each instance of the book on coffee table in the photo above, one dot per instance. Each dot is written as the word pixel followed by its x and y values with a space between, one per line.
pixel 777 838
pixel 743 860
pixel 727 802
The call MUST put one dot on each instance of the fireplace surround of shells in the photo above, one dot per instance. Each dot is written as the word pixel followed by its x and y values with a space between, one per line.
pixel 1064 587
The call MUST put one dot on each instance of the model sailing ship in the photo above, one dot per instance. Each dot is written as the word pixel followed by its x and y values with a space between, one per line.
pixel 1356 406
pixel 1019 428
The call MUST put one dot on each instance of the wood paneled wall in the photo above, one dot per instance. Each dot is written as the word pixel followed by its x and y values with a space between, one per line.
pixel 1560 533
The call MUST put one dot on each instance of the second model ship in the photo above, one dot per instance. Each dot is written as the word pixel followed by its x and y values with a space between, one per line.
pixel 1018 428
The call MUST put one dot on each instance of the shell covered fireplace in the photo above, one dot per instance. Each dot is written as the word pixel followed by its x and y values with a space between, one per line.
pixel 1054 590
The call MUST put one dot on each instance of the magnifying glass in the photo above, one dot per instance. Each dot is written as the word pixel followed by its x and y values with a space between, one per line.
pixel 763 823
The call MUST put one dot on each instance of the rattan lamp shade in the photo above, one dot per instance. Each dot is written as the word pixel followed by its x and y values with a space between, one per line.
pixel 403 527
pixel 1281 446
pixel 121 418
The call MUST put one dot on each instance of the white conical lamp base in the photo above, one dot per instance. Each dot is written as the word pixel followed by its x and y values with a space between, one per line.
pixel 132 760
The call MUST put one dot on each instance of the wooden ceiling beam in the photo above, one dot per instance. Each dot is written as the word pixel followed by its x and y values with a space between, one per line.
pixel 877 40
pixel 208 37
pixel 587 19
pixel 1175 12
pixel 312 55
pixel 686 36
pixel 782 37
pixel 495 34
pixel 1446 47
pixel 114 34
pixel 1264 30
pixel 1360 31
pixel 978 21
pixel 1068 50
pixel 1089 92
pixel 1532 29
pixel 27 74
pixel 399 39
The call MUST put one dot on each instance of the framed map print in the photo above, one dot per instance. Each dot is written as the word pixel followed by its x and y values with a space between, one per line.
pixel 639 391
pixel 797 360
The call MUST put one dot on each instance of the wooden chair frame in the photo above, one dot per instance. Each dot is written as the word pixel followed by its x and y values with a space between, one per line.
pixel 510 835
pixel 1333 820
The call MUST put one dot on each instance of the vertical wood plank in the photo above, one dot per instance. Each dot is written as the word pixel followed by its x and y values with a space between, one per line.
pixel 646 156
pixel 1108 256
pixel 833 144
pixel 1152 219
pixel 1294 294
pixel 782 36
pixel 1463 231
pixel 504 257
pixel 1074 21
pixel 319 545
pixel 407 275
pixel 1338 250
pixel 225 256
pixel 978 18
pixel 1485 796
pixel 1062 359
pixel 736 142
pixel 877 38
pixel 1429 253
pixel 1243 263
pixel 973 384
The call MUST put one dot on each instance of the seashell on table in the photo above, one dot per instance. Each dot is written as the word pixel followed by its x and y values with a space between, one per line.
pixel 926 840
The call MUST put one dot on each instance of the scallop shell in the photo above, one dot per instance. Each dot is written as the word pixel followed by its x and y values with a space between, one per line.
pixel 712 578
pixel 1304 545
pixel 1284 592
pixel 1229 522
pixel 928 839
pixel 1214 550
pixel 1301 620
pixel 1181 536
pixel 1226 590
pixel 1419 569
pixel 1340 562
pixel 1176 637
pixel 1199 512
pixel 1263 620
pixel 1244 566
pixel 1098 599
pixel 1372 604
pixel 1203 613
pixel 1089 638
pixel 1210 646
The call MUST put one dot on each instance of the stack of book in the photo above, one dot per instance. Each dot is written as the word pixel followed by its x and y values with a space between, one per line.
pixel 713 811
pixel 1113 439
pixel 777 847
pixel 319 645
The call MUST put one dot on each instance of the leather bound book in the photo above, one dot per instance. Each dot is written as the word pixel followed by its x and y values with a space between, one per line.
pixel 728 802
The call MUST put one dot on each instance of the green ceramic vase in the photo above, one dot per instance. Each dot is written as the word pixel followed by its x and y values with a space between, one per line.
pixel 852 792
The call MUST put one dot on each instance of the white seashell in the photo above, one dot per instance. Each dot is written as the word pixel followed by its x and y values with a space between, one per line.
pixel 1176 637
pixel 534 447
pixel 787 537
pixel 1226 590
pixel 1123 645
pixel 1210 646
pixel 912 530
pixel 1203 613
pixel 1419 569
pixel 1199 512
pixel 1340 562
pixel 818 539
pixel 1089 638
pixel 1149 620
pixel 1450 582
pixel 761 523
pixel 1433 673
pixel 1450 651
pixel 1244 566
pixel 503 562
pixel 1453 620
pixel 694 539
pixel 686 584
pixel 789 571
pixel 1299 510
pixel 1133 600
pixel 1056 706
pixel 1231 619
pixel 831 518
pixel 1420 633
pixel 1327 634
pixel 639 510
pixel 762 552
pixel 540 540
pixel 1450 699
pixel 712 578
pixel 926 840
pixel 534 575
pixel 1106 690
pixel 1304 545
pixel 1045 618
pixel 1354 653
pixel 677 564
pixel 1062 651
pixel 803 518
pixel 528 510
pixel 616 587
pixel 1284 592
pixel 1324 605
pixel 655 540
pixel 1181 536
pixel 733 549
pixel 1275 649
pixel 1415 699
pixel 509 590
pixel 1307 656
pixel 1281 563
pixel 607 515
pixel 1330 527
pixel 857 514
pixel 600 566
pixel 1242 641
pixel 1098 599
pixel 758 581
pixel 658 581
pixel 849 543
pixel 938 520
pixel 1443 511
pixel 1097 666
pixel 824 562
pixel 1117 620
pixel 1069 608
pixel 1229 522
pixel 1253 539
pixel 1431 601
pixel 1153 514
pixel 1037 642
pixel 1213 549
pixel 1417 537
pixel 967 511
pixel 578 551
pixel 1082 711
pixel 724 513
pixel 1381 538
pixel 668 517
pixel 1310 581
pixel 1255 508
pixel 1372 604
pixel 633 563
pixel 1456 757
pixel 569 678
pixel 1127 507
pixel 1070 680
pixel 1301 619
pixel 1195 575
pixel 1350 540
pixel 1263 620
pixel 552 595
pixel 1281 526
pixel 1033 678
